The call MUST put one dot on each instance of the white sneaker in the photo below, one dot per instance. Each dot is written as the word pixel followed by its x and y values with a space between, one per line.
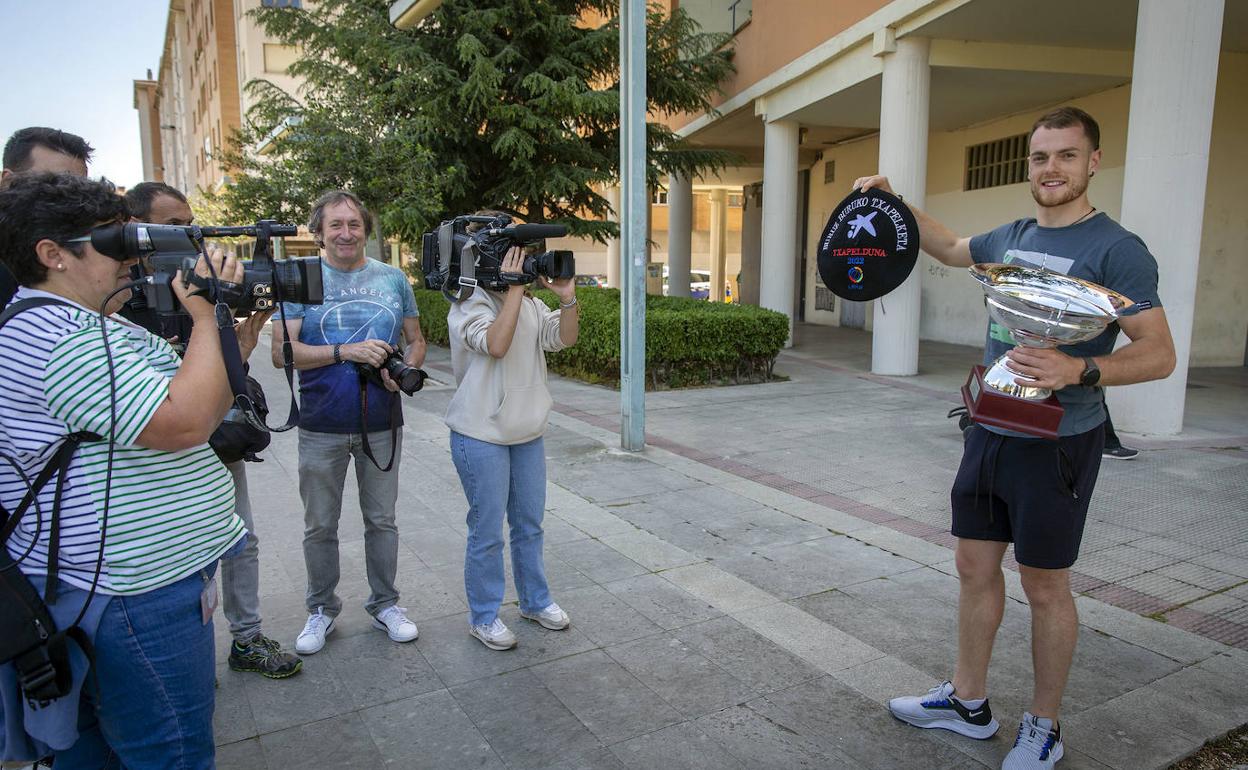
pixel 553 617
pixel 1037 747
pixel 939 708
pixel 394 622
pixel 312 638
pixel 494 635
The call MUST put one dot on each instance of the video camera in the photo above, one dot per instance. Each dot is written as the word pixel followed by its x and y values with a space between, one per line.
pixel 458 257
pixel 165 249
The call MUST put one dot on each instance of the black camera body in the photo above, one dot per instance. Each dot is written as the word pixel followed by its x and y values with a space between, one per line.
pixel 457 259
pixel 165 249
pixel 409 378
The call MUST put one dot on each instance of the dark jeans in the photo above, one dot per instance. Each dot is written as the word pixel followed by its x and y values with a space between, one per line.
pixel 154 662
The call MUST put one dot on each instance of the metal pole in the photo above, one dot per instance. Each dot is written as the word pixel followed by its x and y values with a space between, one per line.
pixel 634 204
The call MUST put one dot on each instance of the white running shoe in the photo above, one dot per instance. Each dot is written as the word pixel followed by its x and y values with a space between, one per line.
pixel 552 617
pixel 394 622
pixel 938 708
pixel 494 635
pixel 1037 747
pixel 312 637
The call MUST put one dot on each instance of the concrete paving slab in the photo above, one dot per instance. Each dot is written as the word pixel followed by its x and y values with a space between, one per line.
pixel 760 741
pixel 825 647
pixel 751 657
pixel 662 602
pixel 653 553
pixel 341 742
pixel 684 678
pixel 429 731
pixel 717 588
pixel 605 697
pixel 679 747
pixel 525 724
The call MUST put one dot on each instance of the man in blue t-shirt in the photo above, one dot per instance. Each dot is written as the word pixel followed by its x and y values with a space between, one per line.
pixel 369 310
pixel 1029 491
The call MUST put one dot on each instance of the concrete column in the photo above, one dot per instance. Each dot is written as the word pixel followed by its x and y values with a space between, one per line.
pixel 779 241
pixel 751 243
pixel 612 195
pixel 719 242
pixel 1163 189
pixel 904 94
pixel 679 234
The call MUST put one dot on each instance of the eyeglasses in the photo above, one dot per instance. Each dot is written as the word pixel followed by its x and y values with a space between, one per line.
pixel 80 239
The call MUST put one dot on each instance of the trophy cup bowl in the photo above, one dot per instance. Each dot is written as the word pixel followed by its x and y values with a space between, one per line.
pixel 1042 309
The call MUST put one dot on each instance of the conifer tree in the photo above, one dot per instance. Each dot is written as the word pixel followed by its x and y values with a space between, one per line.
pixel 503 104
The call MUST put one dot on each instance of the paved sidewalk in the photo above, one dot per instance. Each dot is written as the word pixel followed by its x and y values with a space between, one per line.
pixel 749 591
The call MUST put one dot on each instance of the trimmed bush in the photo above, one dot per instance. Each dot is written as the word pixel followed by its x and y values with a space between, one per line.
pixel 689 342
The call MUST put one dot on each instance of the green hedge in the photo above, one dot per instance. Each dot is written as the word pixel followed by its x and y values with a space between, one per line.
pixel 688 341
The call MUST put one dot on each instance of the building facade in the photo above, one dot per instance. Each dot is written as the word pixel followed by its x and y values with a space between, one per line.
pixel 212 50
pixel 935 94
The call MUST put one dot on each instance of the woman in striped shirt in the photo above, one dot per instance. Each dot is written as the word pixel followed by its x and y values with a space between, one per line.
pixel 145 512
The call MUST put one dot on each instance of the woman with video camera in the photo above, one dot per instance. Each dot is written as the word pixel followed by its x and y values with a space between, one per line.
pixel 122 540
pixel 497 417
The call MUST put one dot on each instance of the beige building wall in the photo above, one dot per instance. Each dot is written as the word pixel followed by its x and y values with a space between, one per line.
pixel 259 57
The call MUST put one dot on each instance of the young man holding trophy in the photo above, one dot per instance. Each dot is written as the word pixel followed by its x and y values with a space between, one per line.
pixel 1015 487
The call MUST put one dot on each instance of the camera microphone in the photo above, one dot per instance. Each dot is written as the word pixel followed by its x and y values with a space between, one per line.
pixel 534 232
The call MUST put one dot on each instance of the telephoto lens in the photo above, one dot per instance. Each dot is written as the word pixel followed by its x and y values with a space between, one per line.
pixel 409 378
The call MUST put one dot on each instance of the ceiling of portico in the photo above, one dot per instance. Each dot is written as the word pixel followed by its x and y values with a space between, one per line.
pixel 1071 23
pixel 966 95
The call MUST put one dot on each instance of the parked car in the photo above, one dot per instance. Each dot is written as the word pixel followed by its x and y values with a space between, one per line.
pixel 591 281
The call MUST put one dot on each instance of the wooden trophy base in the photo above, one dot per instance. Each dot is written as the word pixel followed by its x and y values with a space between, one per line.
pixel 987 406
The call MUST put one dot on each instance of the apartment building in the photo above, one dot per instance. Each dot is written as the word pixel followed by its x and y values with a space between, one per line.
pixel 187 115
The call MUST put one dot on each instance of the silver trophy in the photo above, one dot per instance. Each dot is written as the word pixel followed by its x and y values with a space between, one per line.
pixel 1042 309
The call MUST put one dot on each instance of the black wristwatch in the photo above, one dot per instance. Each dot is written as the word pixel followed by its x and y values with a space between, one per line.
pixel 1091 373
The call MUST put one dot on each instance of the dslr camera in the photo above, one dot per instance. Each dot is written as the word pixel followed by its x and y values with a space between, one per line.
pixel 409 378
pixel 467 251
pixel 165 249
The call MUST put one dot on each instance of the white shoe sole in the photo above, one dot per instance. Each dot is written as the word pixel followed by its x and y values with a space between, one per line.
pixel 378 624
pixel 328 630
pixel 544 623
pixel 978 732
pixel 492 645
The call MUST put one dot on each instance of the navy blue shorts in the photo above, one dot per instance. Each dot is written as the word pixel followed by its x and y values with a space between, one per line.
pixel 1027 491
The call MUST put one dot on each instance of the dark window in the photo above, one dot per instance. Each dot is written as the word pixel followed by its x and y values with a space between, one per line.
pixel 282 3
pixel 996 163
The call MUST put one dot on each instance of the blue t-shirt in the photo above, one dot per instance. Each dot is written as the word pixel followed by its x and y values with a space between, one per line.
pixel 365 304
pixel 1098 250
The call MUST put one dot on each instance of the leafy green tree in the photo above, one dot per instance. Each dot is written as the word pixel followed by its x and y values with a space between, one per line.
pixel 503 104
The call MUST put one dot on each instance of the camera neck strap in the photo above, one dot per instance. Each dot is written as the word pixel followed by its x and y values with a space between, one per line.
pixel 396 412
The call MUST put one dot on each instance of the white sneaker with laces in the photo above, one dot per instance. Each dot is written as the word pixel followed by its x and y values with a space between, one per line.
pixel 552 617
pixel 494 635
pixel 394 622
pixel 939 708
pixel 1037 747
pixel 312 638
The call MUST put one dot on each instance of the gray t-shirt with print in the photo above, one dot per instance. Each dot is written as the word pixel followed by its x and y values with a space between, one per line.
pixel 1098 250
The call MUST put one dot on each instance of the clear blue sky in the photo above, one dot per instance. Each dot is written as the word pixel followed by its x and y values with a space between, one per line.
pixel 71 64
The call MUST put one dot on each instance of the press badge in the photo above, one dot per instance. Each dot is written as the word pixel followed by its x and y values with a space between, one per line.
pixel 208 599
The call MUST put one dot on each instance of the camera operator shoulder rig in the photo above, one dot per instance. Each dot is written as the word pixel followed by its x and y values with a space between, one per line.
pixel 458 257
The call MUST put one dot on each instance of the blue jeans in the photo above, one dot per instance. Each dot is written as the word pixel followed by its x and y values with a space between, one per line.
pixel 154 660
pixel 502 479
